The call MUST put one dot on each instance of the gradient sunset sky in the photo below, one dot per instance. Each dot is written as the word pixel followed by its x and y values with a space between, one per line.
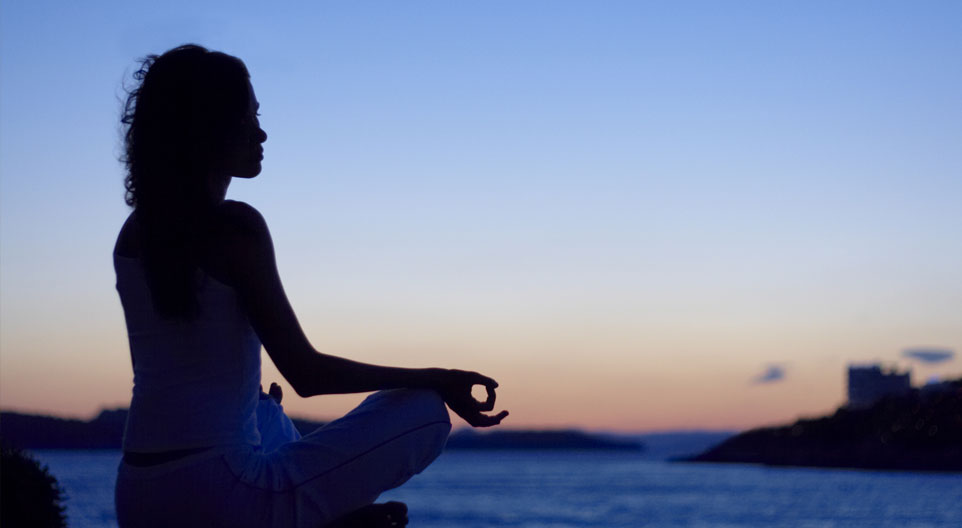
pixel 626 212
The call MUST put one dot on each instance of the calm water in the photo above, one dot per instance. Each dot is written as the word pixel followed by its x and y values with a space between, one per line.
pixel 583 489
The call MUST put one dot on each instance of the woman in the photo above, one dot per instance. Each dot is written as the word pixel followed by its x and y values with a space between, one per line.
pixel 200 289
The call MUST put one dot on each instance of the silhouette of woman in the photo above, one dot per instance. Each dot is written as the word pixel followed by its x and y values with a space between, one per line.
pixel 200 290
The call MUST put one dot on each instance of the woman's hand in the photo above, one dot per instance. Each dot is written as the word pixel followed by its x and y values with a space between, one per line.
pixel 455 386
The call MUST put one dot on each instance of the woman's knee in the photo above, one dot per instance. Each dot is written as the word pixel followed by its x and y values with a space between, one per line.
pixel 429 403
pixel 421 406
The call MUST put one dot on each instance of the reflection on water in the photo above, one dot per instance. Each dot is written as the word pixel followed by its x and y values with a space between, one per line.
pixel 591 489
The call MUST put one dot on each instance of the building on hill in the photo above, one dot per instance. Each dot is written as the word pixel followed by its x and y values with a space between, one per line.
pixel 868 384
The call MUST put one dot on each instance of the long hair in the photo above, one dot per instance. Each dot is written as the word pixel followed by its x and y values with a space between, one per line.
pixel 179 119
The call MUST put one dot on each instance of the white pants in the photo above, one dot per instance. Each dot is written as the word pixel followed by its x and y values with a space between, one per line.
pixel 275 428
pixel 336 469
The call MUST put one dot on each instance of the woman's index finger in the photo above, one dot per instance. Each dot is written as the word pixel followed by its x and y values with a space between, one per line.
pixel 489 383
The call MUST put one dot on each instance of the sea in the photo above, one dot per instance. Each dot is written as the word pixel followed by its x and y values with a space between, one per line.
pixel 577 489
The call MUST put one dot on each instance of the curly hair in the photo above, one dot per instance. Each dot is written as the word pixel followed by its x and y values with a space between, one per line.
pixel 180 118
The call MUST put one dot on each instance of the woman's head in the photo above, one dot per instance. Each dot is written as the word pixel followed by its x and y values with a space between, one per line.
pixel 191 125
pixel 191 120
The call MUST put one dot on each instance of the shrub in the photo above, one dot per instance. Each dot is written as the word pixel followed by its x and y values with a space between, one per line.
pixel 29 495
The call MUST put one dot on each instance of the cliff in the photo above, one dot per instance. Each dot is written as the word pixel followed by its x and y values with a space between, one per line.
pixel 920 431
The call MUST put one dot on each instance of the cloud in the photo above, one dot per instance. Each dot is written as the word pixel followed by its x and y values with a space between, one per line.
pixel 929 355
pixel 772 374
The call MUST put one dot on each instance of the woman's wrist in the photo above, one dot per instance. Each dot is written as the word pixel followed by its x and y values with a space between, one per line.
pixel 429 378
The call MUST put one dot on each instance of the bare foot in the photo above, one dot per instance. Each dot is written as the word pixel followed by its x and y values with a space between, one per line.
pixel 388 515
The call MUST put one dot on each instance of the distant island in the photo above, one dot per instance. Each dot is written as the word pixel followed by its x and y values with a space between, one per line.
pixel 35 431
pixel 920 431
pixel 105 431
pixel 556 439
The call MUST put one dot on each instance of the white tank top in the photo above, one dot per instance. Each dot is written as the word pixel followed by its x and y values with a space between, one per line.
pixel 196 383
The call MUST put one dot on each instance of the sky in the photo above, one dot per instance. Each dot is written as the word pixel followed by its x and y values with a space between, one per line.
pixel 636 216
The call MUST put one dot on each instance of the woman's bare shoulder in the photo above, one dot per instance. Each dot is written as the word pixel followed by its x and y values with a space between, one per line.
pixel 241 235
pixel 240 245
pixel 241 218
pixel 128 240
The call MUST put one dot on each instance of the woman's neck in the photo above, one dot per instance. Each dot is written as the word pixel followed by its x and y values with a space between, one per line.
pixel 217 185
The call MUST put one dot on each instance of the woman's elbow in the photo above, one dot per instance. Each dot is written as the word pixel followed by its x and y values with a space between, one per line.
pixel 301 367
pixel 301 390
pixel 304 385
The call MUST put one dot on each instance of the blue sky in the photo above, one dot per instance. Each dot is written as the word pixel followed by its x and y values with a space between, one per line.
pixel 585 200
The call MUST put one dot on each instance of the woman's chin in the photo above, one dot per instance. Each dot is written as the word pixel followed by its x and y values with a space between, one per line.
pixel 251 172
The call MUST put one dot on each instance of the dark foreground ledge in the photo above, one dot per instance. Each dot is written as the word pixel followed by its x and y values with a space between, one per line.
pixel 918 432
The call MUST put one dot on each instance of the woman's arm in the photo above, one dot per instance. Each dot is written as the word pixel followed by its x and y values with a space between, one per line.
pixel 252 270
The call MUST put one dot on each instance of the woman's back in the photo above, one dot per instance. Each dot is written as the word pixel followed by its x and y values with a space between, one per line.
pixel 195 381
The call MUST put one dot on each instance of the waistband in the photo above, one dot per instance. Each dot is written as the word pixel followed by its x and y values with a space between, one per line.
pixel 153 459
pixel 128 470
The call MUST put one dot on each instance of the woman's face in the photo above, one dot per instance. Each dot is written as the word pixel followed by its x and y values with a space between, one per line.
pixel 245 152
